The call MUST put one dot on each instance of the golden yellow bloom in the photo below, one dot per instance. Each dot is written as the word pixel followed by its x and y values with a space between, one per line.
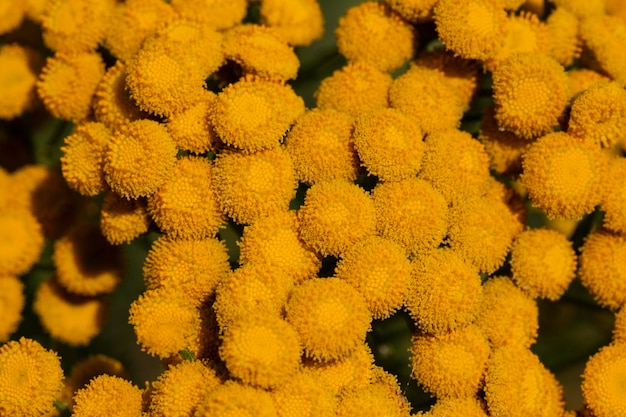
pixel 602 268
pixel 304 396
pixel 508 316
pixel 581 79
pixel 11 16
pixel 72 319
pixel 336 214
pixel 30 378
pixel 139 159
pixel 21 242
pixel 582 9
pixel 11 304
pixel 413 11
pixel 86 263
pixel 252 186
pixel 614 203
pixel 85 370
pixel 602 34
pixel 505 149
pixel 389 144
pixel 473 29
pixel 122 220
pixel 411 213
pixel 530 91
pixel 355 89
pixel 445 292
pixel 299 22
pixel 321 147
pixel 563 175
pixel 179 390
pixel 373 400
pixel 451 406
pixel 20 67
pixel 68 82
pixel 383 280
pixel 452 364
pixel 218 14
pixel 106 395
pixel 602 385
pixel 517 384
pixel 565 44
pixel 330 316
pixel 83 158
pixel 235 399
pixel 191 129
pixel 616 8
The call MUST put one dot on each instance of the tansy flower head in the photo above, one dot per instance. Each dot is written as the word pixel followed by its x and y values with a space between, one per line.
pixel 451 406
pixel 602 386
pixel 565 44
pixel 264 352
pixel 85 370
pixel 321 147
pixel 305 395
pixel 474 29
pixel 30 378
pixel 336 214
pixel 581 79
pixel 21 242
pixel 445 292
pixel 252 186
pixel 383 280
pixel 72 319
pixel 452 364
pixel 191 129
pixel 354 89
pixel 530 91
pixel 139 159
pixel 563 175
pixel 223 13
pixel 614 203
pixel 68 82
pixel 412 213
pixel 330 316
pixel 602 34
pixel 20 67
pixel 299 22
pixel 106 394
pixel 373 400
pixel 235 399
pixel 122 220
pixel 413 11
pixel 254 114
pixel 11 16
pixel 505 149
pixel 11 304
pixel 389 143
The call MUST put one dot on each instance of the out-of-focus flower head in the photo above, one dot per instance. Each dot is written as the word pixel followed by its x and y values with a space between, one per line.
pixel 122 220
pixel 582 9
pixel 565 43
pixel 451 406
pixel 19 68
pixel 602 34
pixel 413 11
pixel 12 301
pixel 218 14
pixel 505 149
pixel 191 129
pixel 11 15
pixel 299 22
pixel 602 387
pixel 236 399
pixel 108 394
pixel 614 203
pixel 581 79
pixel 21 241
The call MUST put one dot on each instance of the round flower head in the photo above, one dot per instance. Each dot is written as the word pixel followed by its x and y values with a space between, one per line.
pixel 518 385
pixel 474 29
pixel 565 44
pixel 191 129
pixel 383 280
pixel 451 406
pixel 139 159
pixel 260 50
pixel 505 149
pixel 581 79
pixel 68 82
pixel 598 114
pixel 264 352
pixel 614 203
pixel 86 263
pixel 530 91
pixel 330 316
pixel 190 267
pixel 603 389
pixel 563 175
pixel 223 13
pixel 20 67
pixel 413 11
pixel 299 22
pixel 304 396
pixel 354 89
pixel 121 220
pixel 235 399
pixel 11 16
pixel 107 394
pixel 508 316
pixel 83 158
pixel 373 400
pixel 389 143
pixel 72 319
pixel 320 145
pixel 179 390
pixel 428 98
pixel 252 186
pixel 445 292
pixel 452 364
pixel 112 104
pixel 30 378
pixel 11 304
pixel 336 214
pixel 602 268
pixel 412 213
pixel 21 242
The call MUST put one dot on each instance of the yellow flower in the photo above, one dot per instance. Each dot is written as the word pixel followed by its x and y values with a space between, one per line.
pixel 11 304
pixel 218 14
pixel 304 396
pixel 235 399
pixel 383 280
pixel 507 316
pixel 380 398
pixel 85 370
pixel 614 203
pixel 581 79
pixel 86 263
pixel 20 67
pixel 336 214
pixel 107 395
pixel 252 186
pixel 564 175
pixel 445 292
pixel 330 316
pixel 68 82
pixel 451 406
pixel 603 35
pixel 354 89
pixel 505 149
pixel 21 242
pixel 531 92
pixel 619 331
pixel 191 129
pixel 413 11
pixel 139 159
pixel 603 389
pixel 565 44
pixel 11 16
pixel 121 220
pixel 452 364
pixel 299 22
pixel 582 9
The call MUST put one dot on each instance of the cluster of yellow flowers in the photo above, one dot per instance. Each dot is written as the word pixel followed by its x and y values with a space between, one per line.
pixel 185 119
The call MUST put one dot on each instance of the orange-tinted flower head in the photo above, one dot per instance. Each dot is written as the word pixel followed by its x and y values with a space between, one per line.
pixel 122 220
pixel 19 68
pixel 218 14
pixel 602 387
pixel 12 301
pixel 107 394
pixel 299 22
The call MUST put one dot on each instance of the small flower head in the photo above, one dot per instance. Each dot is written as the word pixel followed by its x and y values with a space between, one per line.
pixel 122 220
pixel 299 22
pixel 380 398
pixel 191 129
pixel 602 386
pixel 305 395
pixel 18 75
pixel 223 13
pixel 452 406
pixel 236 399
pixel 85 370
pixel 602 34
pixel 565 44
pixel 11 16
pixel 581 79
pixel 107 394
pixel 21 242
pixel 12 301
